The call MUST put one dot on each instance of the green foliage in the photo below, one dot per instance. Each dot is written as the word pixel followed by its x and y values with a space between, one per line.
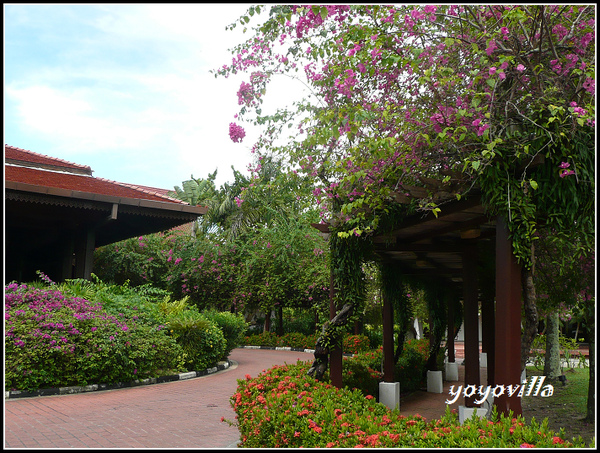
pixel 261 339
pixel 283 407
pixel 298 320
pixel 261 269
pixel 232 325
pixel 374 334
pixel 202 341
pixel 137 260
pixel 570 356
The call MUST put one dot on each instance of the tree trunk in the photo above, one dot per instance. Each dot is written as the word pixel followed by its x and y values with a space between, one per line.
pixel 591 399
pixel 530 321
pixel 267 322
pixel 552 358
pixel 280 325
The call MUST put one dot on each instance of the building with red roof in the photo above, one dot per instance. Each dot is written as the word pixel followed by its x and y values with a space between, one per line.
pixel 57 213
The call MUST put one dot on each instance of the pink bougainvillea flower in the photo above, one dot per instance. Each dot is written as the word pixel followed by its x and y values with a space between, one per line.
pixel 492 46
pixel 236 133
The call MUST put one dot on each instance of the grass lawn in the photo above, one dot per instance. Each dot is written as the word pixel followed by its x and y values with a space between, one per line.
pixel 566 408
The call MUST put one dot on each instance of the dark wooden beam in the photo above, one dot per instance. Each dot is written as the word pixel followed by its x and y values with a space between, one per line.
pixel 388 340
pixel 508 321
pixel 451 227
pixel 446 210
pixel 336 353
pixel 471 321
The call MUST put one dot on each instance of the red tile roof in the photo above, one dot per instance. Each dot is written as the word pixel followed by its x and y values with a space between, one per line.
pixel 23 155
pixel 77 182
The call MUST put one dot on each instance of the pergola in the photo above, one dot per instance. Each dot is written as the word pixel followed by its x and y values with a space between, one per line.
pixel 57 213
pixel 444 249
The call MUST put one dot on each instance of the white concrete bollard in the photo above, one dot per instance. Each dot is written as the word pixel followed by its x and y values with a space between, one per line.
pixel 389 394
pixel 435 382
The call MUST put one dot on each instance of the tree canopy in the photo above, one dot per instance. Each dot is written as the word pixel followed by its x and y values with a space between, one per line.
pixel 498 97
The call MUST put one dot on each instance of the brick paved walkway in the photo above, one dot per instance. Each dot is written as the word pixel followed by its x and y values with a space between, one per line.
pixel 180 414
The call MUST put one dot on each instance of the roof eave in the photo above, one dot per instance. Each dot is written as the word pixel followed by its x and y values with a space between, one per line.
pixel 54 191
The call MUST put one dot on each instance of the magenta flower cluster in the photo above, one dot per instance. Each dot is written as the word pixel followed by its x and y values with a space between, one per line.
pixel 236 133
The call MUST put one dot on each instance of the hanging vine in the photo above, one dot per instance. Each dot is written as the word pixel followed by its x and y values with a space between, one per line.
pixel 347 256
pixel 393 287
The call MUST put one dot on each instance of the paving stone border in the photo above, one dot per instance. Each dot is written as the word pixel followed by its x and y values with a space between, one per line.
pixel 287 348
pixel 94 387
pixel 279 348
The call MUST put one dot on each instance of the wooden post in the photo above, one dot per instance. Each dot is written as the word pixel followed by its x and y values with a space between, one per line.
pixel 451 333
pixel 84 253
pixel 471 320
pixel 335 354
pixel 488 336
pixel 508 321
pixel 388 339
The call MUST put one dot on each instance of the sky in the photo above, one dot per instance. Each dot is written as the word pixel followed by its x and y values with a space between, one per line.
pixel 126 89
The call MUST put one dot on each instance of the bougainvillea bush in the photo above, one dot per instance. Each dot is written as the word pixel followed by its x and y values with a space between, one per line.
pixel 56 340
pixel 283 407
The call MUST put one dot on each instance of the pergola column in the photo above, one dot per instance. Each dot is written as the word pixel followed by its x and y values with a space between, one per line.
pixel 488 336
pixel 335 354
pixel 388 339
pixel 84 253
pixel 508 321
pixel 471 320
pixel 451 332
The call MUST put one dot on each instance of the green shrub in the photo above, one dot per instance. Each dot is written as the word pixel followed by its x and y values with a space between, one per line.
pixel 261 339
pixel 360 375
pixel 410 370
pixel 297 320
pixel 232 325
pixel 297 340
pixel 202 341
pixel 283 407
pixel 374 334
pixel 56 340
pixel 137 303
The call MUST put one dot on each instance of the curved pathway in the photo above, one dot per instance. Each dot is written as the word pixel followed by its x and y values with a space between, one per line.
pixel 179 414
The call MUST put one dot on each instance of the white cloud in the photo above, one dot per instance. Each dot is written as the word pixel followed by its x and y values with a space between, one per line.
pixel 135 84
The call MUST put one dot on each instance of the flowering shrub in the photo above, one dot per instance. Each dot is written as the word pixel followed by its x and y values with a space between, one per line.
pixel 57 340
pixel 351 343
pixel 297 340
pixel 283 407
pixel 356 343
pixel 410 370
